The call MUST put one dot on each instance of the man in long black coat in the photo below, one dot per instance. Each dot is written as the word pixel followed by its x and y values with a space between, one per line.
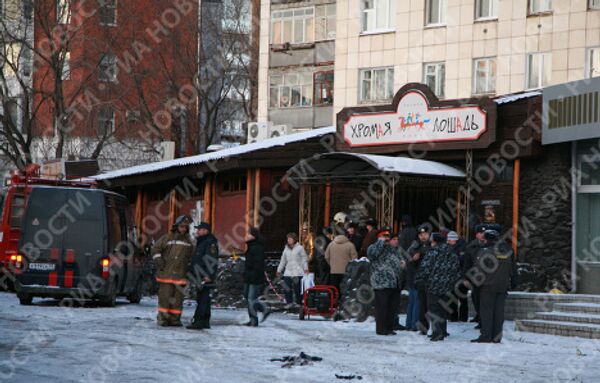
pixel 254 276
pixel 203 274
pixel 470 260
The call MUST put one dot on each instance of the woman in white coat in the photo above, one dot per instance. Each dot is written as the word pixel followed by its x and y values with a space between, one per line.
pixel 293 266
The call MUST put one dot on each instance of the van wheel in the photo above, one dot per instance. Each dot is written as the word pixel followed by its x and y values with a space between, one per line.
pixel 25 299
pixel 110 299
pixel 136 294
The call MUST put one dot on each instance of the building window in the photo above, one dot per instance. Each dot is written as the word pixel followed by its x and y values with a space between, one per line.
pixel 290 90
pixel 539 6
pixel 106 121
pixel 66 66
pixel 434 76
pixel 292 26
pixel 26 61
pixel 436 12
pixel 108 12
pixel 107 68
pixel 593 62
pixel 27 9
pixel 594 4
pixel 63 11
pixel 12 109
pixel 486 9
pixel 325 22
pixel 378 15
pixel 539 70
pixel 376 84
pixel 234 184
pixel 484 75
pixel 1 8
pixel 323 88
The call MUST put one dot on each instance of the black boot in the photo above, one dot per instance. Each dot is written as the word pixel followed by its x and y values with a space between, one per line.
pixel 195 325
pixel 205 324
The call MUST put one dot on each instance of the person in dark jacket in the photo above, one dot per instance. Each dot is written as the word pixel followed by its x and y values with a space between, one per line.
pixel 417 306
pixel 408 233
pixel 203 274
pixel 459 306
pixel 353 236
pixel 370 237
pixel 317 264
pixel 498 265
pixel 440 271
pixel 254 276
pixel 385 281
pixel 470 260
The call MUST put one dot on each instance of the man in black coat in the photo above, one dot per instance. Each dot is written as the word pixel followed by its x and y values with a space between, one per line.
pixel 470 260
pixel 417 252
pixel 408 233
pixel 353 236
pixel 254 276
pixel 497 264
pixel 204 272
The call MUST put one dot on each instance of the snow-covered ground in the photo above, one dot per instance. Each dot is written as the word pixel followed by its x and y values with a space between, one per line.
pixel 49 343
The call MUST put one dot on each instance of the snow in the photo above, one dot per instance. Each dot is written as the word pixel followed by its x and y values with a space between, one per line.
pixel 405 165
pixel 49 343
pixel 516 96
pixel 218 155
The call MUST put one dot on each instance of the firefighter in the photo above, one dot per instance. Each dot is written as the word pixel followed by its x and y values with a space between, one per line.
pixel 172 255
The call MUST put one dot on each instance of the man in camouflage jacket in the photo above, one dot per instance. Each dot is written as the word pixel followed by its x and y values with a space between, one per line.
pixel 440 271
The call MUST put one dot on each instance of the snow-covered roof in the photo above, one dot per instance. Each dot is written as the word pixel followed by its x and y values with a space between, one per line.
pixel 218 155
pixel 338 163
pixel 406 165
pixel 516 96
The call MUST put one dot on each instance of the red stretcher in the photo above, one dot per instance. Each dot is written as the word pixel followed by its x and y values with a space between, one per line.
pixel 320 300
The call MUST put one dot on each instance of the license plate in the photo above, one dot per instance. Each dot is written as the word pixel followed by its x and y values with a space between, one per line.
pixel 42 266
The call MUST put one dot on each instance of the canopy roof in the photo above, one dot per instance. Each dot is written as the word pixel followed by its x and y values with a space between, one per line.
pixel 343 165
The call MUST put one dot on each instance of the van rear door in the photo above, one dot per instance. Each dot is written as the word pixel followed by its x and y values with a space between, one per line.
pixel 63 236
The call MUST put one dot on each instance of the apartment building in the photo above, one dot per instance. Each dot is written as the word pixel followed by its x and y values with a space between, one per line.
pixel 459 48
pixel 296 65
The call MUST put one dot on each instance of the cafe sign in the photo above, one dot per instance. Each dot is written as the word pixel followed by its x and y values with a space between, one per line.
pixel 417 118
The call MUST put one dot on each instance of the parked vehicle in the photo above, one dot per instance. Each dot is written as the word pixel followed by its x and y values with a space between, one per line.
pixel 73 242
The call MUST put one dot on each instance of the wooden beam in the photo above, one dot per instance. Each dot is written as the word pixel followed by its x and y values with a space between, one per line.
pixel 458 215
pixel 172 207
pixel 249 195
pixel 515 212
pixel 327 212
pixel 213 201
pixel 206 215
pixel 256 196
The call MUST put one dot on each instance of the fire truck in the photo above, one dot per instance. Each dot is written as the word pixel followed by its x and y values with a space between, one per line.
pixel 67 239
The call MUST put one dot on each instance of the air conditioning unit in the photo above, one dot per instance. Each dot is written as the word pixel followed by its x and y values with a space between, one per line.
pixel 257 131
pixel 167 150
pixel 279 130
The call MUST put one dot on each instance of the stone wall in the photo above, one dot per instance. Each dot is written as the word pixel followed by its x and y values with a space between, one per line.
pixel 545 220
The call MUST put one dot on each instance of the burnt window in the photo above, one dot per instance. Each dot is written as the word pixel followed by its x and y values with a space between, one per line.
pixel 17 210
pixel 234 184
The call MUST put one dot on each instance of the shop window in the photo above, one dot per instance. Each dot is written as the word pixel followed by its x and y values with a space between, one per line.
pixel 376 84
pixel 234 184
pixel 436 12
pixel 325 22
pixel 378 15
pixel 593 61
pixel 434 76
pixel 589 170
pixel 539 70
pixel 486 9
pixel 290 90
pixel 323 85
pixel 293 26
pixel 539 6
pixel 484 76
